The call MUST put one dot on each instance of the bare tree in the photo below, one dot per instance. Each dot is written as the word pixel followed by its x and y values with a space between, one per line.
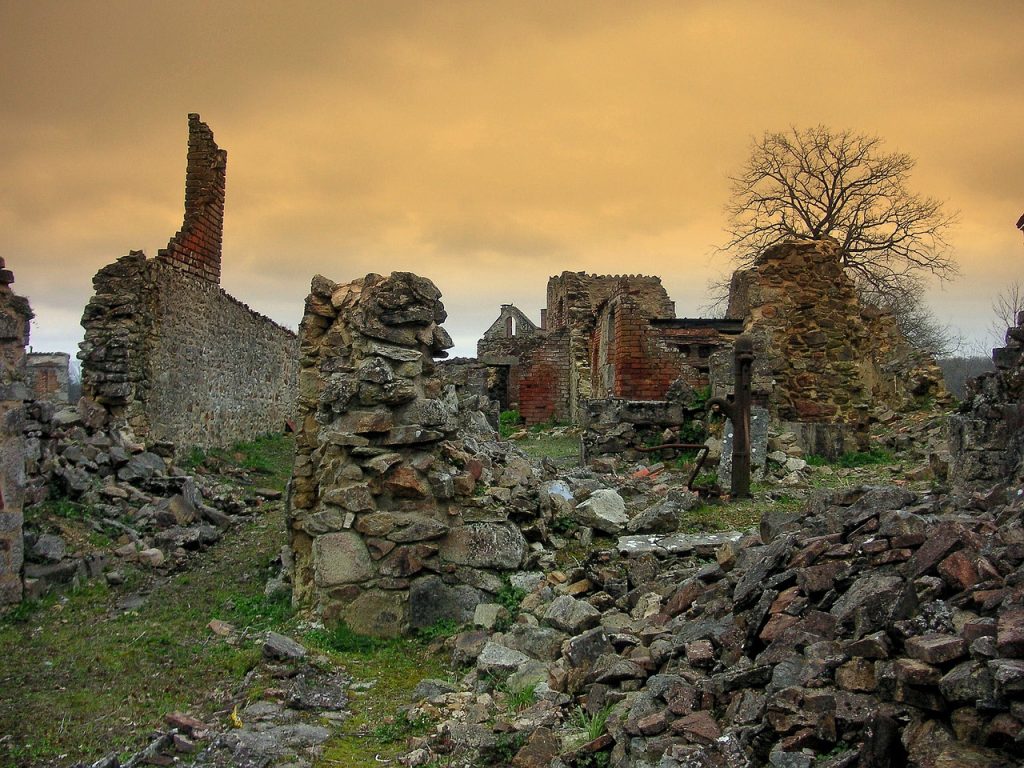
pixel 817 183
pixel 1007 304
pixel 915 319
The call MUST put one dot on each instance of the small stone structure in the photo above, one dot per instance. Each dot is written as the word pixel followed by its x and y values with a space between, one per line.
pixel 167 352
pixel 397 517
pixel 48 375
pixel 829 358
pixel 986 437
pixel 15 315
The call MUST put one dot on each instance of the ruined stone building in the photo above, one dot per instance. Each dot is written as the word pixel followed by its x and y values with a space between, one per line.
pixel 15 315
pixel 48 375
pixel 822 358
pixel 600 336
pixel 167 352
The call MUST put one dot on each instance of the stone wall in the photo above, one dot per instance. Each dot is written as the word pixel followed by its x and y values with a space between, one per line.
pixel 832 360
pixel 167 352
pixel 15 315
pixel 48 375
pixel 177 359
pixel 986 437
pixel 397 518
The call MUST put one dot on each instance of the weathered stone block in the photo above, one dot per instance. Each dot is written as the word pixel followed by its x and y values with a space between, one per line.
pixel 341 558
pixel 485 545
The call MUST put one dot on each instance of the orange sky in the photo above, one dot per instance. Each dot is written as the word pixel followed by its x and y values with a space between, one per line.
pixel 486 145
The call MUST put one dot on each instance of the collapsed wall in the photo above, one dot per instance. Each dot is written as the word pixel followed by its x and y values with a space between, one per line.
pixel 167 352
pixel 986 436
pixel 396 517
pixel 15 315
pixel 831 359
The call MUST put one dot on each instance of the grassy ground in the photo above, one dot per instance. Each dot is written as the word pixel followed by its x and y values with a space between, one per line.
pixel 561 447
pixel 83 676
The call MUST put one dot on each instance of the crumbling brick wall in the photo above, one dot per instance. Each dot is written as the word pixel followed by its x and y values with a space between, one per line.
pixel 832 359
pixel 391 519
pixel 169 353
pixel 15 315
pixel 632 359
pixel 48 375
pixel 196 247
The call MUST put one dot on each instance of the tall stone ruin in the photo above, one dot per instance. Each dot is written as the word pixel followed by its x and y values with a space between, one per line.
pixel 15 315
pixel 822 356
pixel 392 521
pixel 168 354
pixel 196 247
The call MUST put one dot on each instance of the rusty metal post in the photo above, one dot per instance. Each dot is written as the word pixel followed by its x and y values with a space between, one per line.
pixel 737 411
pixel 744 351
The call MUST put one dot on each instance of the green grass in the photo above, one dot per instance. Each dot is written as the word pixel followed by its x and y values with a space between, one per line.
pixel 509 422
pixel 57 508
pixel 593 724
pixel 395 667
pixel 545 445
pixel 270 458
pixel 83 678
pixel 518 699
pixel 852 459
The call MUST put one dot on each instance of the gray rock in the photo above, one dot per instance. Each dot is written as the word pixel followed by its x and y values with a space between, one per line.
pixel 571 615
pixel 674 544
pixel 142 466
pixel 583 650
pixel 767 559
pixel 604 510
pixel 485 545
pixel 430 599
pixel 49 549
pixel 544 643
pixel 341 558
pixel 430 687
pixel 660 518
pixel 277 646
pixel 874 601
pixel 497 659
pixel 314 690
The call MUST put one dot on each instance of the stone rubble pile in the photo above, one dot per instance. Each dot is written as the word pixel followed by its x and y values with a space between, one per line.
pixel 876 628
pixel 152 511
pixel 287 728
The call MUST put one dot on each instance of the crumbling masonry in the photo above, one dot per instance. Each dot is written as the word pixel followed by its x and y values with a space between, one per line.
pixel 167 352
pixel 15 315
pixel 824 362
pixel 397 516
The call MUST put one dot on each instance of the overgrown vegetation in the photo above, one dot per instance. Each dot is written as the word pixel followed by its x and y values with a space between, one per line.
pixel 508 422
pixel 851 459
pixel 269 457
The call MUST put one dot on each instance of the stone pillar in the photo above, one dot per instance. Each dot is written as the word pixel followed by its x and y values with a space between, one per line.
pixel 386 528
pixel 15 314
